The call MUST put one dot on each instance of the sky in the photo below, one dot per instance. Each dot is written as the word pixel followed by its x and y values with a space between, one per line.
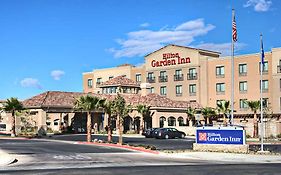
pixel 48 44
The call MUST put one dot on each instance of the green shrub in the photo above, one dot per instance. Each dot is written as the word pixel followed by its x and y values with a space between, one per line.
pixel 278 135
pixel 248 136
pixel 132 132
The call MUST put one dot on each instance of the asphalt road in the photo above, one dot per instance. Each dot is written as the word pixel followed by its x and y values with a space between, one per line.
pixel 160 144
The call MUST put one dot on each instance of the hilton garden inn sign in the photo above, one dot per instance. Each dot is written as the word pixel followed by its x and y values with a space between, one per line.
pixel 220 135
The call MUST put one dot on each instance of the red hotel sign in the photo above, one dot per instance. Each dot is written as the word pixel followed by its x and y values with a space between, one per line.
pixel 170 59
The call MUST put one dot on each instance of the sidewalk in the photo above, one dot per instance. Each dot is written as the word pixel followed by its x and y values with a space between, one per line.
pixel 226 157
pixel 5 158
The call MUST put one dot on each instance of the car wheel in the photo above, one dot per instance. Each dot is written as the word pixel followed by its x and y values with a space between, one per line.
pixel 182 136
pixel 166 136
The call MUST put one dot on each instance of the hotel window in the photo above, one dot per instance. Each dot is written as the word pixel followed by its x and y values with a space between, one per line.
pixel 264 67
pixel 110 77
pixel 280 84
pixel 220 71
pixel 264 85
pixel 178 90
pixel 279 67
pixel 243 86
pixel 98 80
pixel 243 104
pixel 220 87
pixel 161 121
pixel 138 78
pixel 152 90
pixel 178 75
pixel 163 76
pixel 192 89
pixel 150 77
pixel 242 69
pixel 181 121
pixel 163 90
pixel 192 75
pixel 265 102
pixel 90 83
pixel 171 121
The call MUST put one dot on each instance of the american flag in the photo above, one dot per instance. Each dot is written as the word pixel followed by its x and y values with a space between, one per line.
pixel 234 30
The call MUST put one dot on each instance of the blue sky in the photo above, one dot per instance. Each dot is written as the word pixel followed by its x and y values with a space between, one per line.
pixel 48 44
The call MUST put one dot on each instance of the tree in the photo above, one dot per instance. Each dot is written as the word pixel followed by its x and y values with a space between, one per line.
pixel 146 114
pixel 208 112
pixel 88 104
pixel 254 106
pixel 191 113
pixel 224 108
pixel 108 109
pixel 121 110
pixel 13 105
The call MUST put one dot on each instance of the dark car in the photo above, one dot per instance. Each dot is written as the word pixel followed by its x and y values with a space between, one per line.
pixel 149 132
pixel 168 133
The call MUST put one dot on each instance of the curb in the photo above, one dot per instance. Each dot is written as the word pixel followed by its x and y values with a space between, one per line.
pixel 120 146
pixel 15 138
pixel 258 143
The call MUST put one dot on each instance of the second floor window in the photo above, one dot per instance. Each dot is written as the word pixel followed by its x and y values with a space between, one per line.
pixel 192 88
pixel 220 87
pixel 178 75
pixel 163 90
pixel 265 85
pixel 90 83
pixel 220 71
pixel 243 104
pixel 138 77
pixel 264 67
pixel 98 80
pixel 243 86
pixel 179 90
pixel 242 69
pixel 152 90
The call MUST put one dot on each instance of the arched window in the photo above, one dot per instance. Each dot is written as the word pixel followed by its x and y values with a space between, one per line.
pixel 161 121
pixel 181 121
pixel 171 121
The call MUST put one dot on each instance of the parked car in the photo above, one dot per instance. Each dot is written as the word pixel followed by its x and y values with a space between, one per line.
pixel 149 132
pixel 155 132
pixel 167 133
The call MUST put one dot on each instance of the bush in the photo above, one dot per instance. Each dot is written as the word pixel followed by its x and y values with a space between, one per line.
pixel 248 136
pixel 132 132
pixel 278 135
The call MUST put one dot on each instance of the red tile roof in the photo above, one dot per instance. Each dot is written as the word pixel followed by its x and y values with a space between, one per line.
pixel 120 81
pixel 66 100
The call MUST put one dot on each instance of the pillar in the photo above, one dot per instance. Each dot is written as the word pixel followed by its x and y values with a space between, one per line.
pixel 42 118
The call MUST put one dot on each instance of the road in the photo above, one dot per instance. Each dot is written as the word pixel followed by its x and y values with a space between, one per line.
pixel 160 144
pixel 40 156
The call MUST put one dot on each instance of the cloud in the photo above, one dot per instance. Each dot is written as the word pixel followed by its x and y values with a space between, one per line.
pixel 139 43
pixel 30 82
pixel 57 74
pixel 223 48
pixel 145 24
pixel 259 5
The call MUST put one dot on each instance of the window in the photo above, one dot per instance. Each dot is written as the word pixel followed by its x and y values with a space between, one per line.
pixel 178 90
pixel 98 80
pixel 243 104
pixel 243 86
pixel 264 67
pixel 220 71
pixel 90 83
pixel 152 90
pixel 110 77
pixel 242 69
pixel 192 89
pixel 171 121
pixel 192 75
pixel 163 76
pixel 280 84
pixel 163 90
pixel 220 87
pixel 2 127
pixel 161 121
pixel 181 121
pixel 265 102
pixel 138 77
pixel 178 75
pixel 150 77
pixel 264 85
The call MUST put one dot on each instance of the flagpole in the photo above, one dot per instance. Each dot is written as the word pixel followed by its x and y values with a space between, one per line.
pixel 261 99
pixel 232 71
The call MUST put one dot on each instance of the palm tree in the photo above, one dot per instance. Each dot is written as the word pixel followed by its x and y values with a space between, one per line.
pixel 191 113
pixel 224 108
pixel 146 114
pixel 121 110
pixel 108 109
pixel 254 106
pixel 13 105
pixel 88 104
pixel 208 112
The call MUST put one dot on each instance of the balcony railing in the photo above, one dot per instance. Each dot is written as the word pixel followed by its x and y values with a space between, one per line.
pixel 178 77
pixel 279 69
pixel 163 79
pixel 242 74
pixel 192 76
pixel 220 75
pixel 150 79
